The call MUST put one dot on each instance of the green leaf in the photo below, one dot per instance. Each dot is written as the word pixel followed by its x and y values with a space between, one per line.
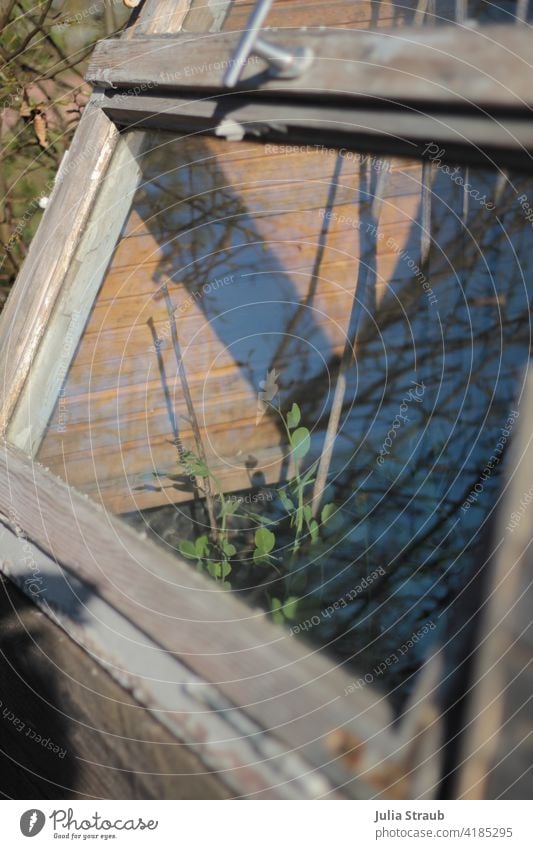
pixel 201 546
pixel 265 540
pixel 219 569
pixel 188 549
pixel 229 506
pixel 300 442
pixel 286 501
pixel 327 512
pixel 228 548
pixel 290 608
pixel 313 530
pixel 308 513
pixel 197 467
pixel 193 464
pixel 261 558
pixel 293 417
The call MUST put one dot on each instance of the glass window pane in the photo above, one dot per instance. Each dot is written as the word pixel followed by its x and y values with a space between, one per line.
pixel 255 290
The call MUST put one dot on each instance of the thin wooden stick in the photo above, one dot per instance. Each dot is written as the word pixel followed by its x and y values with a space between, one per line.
pixel 461 11
pixel 521 11
pixel 348 355
pixel 209 498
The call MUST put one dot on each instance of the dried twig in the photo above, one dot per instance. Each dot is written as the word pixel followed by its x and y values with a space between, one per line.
pixel 209 497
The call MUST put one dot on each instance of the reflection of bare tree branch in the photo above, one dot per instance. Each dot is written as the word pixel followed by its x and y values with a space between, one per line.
pixel 310 294
pixel 210 501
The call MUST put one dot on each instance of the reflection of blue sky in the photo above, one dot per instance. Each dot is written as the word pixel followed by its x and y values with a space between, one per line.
pixel 223 235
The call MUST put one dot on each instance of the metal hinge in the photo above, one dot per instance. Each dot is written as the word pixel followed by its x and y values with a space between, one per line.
pixel 282 63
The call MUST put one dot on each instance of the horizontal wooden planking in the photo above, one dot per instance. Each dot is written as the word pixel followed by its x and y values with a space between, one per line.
pixel 448 65
pixel 280 159
pixel 342 15
pixel 129 350
pixel 250 160
pixel 106 381
pixel 161 16
pixel 206 359
pixel 135 285
pixel 468 137
pixel 84 425
pixel 140 440
pixel 189 255
pixel 307 219
pixel 127 489
pixel 271 219
pixel 132 310
pixel 138 433
pixel 223 162
pixel 115 470
pixel 267 199
pixel 285 260
pixel 118 343
pixel 143 408
pixel 121 496
pixel 209 365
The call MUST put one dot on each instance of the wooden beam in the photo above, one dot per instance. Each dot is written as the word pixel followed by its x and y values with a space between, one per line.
pixel 162 16
pixel 33 298
pixel 489 66
pixel 496 745
pixel 475 138
pixel 102 744
pixel 227 742
pixel 288 689
pixel 79 289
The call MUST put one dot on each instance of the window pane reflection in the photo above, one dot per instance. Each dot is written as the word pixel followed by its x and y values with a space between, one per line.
pixel 287 269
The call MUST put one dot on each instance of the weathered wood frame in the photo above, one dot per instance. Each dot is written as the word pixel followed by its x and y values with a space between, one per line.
pixel 295 732
pixel 386 91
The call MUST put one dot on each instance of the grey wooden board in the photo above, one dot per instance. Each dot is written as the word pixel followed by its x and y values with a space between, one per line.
pixel 108 746
pixel 498 748
pixel 247 761
pixel 477 139
pixel 288 689
pixel 74 303
pixel 30 304
pixel 488 66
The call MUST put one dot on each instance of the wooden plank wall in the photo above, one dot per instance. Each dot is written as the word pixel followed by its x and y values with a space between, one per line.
pixel 341 14
pixel 113 421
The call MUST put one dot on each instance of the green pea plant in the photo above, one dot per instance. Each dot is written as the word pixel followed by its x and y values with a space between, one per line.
pixel 297 530
pixel 293 494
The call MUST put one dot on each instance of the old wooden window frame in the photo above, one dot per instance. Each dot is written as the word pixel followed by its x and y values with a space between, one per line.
pixel 319 742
